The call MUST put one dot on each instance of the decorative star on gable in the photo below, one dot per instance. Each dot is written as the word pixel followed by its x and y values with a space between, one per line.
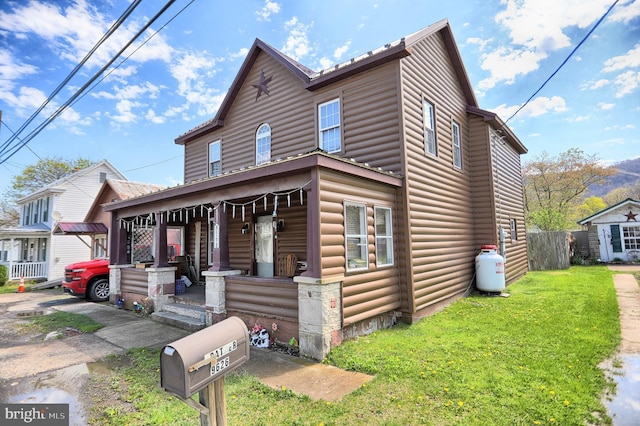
pixel 262 85
pixel 631 216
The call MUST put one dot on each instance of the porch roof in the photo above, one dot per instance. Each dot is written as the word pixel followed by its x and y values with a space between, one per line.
pixel 80 228
pixel 38 230
pixel 272 170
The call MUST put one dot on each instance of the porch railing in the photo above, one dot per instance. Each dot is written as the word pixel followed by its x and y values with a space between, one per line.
pixel 30 270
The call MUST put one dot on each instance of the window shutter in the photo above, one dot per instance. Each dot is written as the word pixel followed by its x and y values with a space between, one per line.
pixel 615 239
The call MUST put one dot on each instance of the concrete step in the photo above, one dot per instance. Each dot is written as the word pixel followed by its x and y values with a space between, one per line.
pixel 187 310
pixel 177 320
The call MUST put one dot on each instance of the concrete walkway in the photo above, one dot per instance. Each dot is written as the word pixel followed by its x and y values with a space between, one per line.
pixel 624 405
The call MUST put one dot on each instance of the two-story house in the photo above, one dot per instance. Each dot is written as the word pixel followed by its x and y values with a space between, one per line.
pixel 337 202
pixel 32 249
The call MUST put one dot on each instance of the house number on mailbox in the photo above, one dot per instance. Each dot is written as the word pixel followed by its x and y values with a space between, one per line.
pixel 221 364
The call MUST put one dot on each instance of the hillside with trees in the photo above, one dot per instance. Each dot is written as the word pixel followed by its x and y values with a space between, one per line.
pixel 627 176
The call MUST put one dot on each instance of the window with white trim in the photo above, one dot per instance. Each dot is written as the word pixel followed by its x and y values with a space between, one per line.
pixel 215 158
pixel 384 236
pixel 429 123
pixel 631 237
pixel 455 141
pixel 329 126
pixel 263 144
pixel 514 229
pixel 357 250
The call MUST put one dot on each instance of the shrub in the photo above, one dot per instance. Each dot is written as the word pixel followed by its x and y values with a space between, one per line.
pixel 3 275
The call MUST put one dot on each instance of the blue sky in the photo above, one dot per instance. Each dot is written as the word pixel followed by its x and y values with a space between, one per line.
pixel 178 79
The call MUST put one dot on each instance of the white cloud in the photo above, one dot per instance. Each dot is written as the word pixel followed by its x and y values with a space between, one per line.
pixel 579 119
pixel 341 50
pixel 125 111
pixel 325 62
pixel 625 11
pixel 269 8
pixel 297 45
pixel 535 29
pixel 605 106
pixel 631 59
pixel 597 84
pixel 481 43
pixel 240 54
pixel 537 107
pixel 627 82
pixel 151 116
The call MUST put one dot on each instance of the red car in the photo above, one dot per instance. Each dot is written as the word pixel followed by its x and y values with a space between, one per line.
pixel 88 279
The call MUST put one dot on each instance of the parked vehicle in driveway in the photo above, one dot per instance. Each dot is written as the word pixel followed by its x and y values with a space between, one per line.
pixel 88 279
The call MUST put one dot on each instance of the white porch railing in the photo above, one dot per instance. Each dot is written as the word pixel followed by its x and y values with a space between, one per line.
pixel 26 269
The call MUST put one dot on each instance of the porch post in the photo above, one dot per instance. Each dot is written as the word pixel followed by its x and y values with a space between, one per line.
pixel 160 251
pixel 313 228
pixel 215 295
pixel 220 251
pixel 319 315
pixel 117 242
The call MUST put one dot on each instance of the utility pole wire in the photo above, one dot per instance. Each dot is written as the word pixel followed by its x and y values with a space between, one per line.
pixel 8 153
pixel 73 72
pixel 565 61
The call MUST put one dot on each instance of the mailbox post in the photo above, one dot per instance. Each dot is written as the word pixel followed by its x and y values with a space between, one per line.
pixel 201 360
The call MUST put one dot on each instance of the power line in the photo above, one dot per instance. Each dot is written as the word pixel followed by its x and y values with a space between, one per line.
pixel 8 153
pixel 565 61
pixel 73 72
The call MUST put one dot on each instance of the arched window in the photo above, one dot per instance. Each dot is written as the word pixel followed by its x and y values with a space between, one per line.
pixel 263 144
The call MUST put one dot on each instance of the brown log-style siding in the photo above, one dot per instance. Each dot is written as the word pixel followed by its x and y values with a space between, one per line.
pixel 484 213
pixel 134 281
pixel 364 293
pixel 441 216
pixel 288 109
pixel 510 205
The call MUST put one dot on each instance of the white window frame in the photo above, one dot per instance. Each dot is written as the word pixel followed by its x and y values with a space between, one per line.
pixel 429 124
pixel 631 237
pixel 356 243
pixel 215 158
pixel 263 144
pixel 456 145
pixel 384 236
pixel 513 223
pixel 329 126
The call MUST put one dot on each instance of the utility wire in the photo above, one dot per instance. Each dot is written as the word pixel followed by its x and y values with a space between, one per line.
pixel 73 72
pixel 565 61
pixel 10 153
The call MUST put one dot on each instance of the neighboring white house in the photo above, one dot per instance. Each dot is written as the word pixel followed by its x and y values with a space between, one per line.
pixel 614 233
pixel 31 249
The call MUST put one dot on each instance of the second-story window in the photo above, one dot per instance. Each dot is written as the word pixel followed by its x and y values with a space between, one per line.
pixel 263 144
pixel 455 141
pixel 215 162
pixel 429 128
pixel 329 126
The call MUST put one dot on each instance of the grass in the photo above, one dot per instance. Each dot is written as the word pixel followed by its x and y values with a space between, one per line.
pixel 60 320
pixel 12 286
pixel 528 359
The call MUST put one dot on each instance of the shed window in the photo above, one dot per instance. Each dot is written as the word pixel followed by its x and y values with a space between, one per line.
pixel 428 112
pixel 514 229
pixel 215 163
pixel 329 126
pixel 355 216
pixel 384 236
pixel 631 236
pixel 455 141
pixel 263 144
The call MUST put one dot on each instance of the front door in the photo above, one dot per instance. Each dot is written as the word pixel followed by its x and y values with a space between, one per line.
pixel 264 246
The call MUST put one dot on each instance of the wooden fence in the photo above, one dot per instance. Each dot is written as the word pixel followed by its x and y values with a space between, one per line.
pixel 548 251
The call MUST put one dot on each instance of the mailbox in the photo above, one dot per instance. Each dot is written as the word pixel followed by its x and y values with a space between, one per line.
pixel 195 361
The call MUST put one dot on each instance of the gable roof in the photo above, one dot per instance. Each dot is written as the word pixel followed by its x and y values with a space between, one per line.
pixel 124 190
pixel 312 80
pixel 54 187
pixel 608 209
pixel 500 126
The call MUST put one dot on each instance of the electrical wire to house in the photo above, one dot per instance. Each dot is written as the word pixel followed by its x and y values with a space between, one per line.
pixel 565 61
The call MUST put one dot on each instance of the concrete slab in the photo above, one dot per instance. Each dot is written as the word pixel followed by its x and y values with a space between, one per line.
pixel 316 380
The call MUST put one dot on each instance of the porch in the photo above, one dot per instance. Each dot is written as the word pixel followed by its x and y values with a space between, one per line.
pixel 27 270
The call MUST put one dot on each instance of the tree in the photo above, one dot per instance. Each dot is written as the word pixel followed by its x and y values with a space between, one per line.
pixel 620 194
pixel 589 206
pixel 32 178
pixel 554 186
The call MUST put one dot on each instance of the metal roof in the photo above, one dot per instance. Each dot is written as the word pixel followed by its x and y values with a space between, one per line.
pixel 80 228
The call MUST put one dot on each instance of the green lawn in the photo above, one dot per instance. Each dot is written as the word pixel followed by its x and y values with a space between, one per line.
pixel 528 359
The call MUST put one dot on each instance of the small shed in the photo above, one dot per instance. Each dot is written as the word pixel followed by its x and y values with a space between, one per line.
pixel 614 233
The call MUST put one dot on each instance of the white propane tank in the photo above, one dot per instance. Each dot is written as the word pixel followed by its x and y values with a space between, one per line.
pixel 489 270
